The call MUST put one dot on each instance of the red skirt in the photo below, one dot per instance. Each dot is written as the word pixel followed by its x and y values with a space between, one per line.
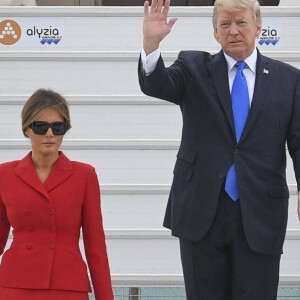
pixel 31 294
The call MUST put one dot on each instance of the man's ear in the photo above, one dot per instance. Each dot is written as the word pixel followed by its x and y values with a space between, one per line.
pixel 216 35
pixel 258 31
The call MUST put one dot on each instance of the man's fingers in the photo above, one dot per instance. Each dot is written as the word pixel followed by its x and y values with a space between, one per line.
pixel 153 6
pixel 160 5
pixel 165 11
pixel 146 8
pixel 171 23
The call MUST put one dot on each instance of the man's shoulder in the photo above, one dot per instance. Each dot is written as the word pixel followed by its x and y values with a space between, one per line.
pixel 195 54
pixel 194 58
pixel 280 66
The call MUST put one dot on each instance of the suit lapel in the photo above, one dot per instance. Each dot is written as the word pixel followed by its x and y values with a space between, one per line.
pixel 263 77
pixel 61 171
pixel 25 170
pixel 219 74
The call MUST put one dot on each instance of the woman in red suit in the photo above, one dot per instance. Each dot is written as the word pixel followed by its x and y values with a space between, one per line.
pixel 47 199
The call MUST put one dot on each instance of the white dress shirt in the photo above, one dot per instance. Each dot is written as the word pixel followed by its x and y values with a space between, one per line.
pixel 149 63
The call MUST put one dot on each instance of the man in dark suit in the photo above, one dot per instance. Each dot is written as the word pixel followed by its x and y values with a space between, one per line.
pixel 229 198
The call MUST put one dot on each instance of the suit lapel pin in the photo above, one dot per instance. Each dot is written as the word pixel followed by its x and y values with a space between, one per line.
pixel 266 71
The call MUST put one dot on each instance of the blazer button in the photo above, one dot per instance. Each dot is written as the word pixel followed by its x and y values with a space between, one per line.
pixel 51 212
pixel 52 229
pixel 29 228
pixel 28 246
pixel 51 246
pixel 26 212
pixel 221 176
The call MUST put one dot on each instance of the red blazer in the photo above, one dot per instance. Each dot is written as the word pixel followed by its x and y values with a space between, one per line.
pixel 46 221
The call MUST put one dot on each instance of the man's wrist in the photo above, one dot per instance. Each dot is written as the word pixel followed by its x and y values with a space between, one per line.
pixel 150 47
pixel 150 61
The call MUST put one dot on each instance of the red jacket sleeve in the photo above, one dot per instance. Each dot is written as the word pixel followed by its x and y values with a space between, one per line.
pixel 94 240
pixel 4 227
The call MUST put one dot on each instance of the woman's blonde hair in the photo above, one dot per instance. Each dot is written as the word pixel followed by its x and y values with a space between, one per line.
pixel 40 100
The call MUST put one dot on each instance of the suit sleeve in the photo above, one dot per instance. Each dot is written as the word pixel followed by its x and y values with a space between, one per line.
pixel 164 83
pixel 293 138
pixel 94 240
pixel 4 226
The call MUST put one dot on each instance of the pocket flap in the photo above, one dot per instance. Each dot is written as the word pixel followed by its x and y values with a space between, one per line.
pixel 186 155
pixel 278 192
pixel 182 171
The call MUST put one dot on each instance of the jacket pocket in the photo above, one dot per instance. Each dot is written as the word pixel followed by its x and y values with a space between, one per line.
pixel 183 167
pixel 278 192
pixel 186 155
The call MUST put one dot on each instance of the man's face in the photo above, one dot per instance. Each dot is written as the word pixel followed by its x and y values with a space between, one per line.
pixel 236 32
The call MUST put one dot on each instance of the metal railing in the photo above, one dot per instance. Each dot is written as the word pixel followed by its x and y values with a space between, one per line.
pixel 178 293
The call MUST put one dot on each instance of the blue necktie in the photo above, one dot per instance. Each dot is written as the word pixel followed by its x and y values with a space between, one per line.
pixel 240 109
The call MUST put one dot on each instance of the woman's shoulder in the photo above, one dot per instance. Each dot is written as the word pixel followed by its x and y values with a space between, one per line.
pixel 11 165
pixel 83 171
pixel 76 166
pixel 81 166
pixel 7 170
pixel 8 165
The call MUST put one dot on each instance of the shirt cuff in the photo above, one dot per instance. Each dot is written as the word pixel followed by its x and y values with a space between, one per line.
pixel 150 61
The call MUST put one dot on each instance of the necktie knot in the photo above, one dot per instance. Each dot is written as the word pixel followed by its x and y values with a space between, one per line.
pixel 240 65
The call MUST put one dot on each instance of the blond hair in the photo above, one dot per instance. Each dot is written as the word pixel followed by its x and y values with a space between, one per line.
pixel 40 100
pixel 237 5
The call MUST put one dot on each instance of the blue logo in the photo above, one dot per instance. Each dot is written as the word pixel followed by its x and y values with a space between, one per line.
pixel 269 36
pixel 50 41
pixel 267 42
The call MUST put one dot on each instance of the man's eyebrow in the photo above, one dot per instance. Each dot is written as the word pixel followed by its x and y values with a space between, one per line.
pixel 241 18
pixel 224 20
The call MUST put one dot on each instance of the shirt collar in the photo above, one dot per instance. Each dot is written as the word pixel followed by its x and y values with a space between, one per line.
pixel 250 61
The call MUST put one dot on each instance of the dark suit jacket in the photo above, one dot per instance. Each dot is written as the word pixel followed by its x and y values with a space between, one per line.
pixel 46 220
pixel 198 83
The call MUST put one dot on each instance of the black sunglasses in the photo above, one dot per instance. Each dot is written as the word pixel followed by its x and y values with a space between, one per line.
pixel 40 127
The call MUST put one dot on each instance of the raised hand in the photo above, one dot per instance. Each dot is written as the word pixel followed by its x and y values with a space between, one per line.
pixel 156 26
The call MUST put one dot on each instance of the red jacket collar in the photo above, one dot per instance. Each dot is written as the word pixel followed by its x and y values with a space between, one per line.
pixel 61 171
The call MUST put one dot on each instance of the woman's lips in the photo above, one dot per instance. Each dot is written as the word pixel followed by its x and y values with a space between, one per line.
pixel 48 143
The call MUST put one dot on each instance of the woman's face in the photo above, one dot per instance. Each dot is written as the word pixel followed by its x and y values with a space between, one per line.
pixel 48 143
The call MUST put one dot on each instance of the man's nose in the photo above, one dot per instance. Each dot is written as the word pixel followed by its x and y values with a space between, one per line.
pixel 234 30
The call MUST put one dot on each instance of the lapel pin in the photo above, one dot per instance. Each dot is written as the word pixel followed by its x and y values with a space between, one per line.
pixel 266 71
